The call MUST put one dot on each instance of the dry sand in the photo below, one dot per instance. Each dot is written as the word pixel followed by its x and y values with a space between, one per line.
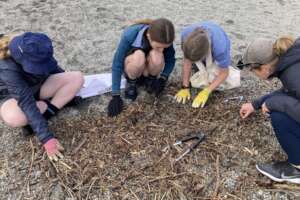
pixel 85 35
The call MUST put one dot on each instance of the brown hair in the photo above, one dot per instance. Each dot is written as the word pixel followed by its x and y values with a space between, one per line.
pixel 160 30
pixel 282 44
pixel 4 42
pixel 196 45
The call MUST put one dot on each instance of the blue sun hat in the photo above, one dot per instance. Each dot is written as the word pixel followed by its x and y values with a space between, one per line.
pixel 34 51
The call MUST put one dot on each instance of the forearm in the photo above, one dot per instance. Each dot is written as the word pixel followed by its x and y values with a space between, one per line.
pixel 19 90
pixel 169 56
pixel 285 104
pixel 186 72
pixel 118 64
pixel 116 80
pixel 257 103
pixel 36 120
pixel 220 78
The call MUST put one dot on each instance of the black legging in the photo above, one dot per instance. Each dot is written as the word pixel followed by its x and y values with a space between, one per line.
pixel 287 131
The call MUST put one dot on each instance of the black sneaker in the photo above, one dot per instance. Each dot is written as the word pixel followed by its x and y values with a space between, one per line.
pixel 27 131
pixel 280 172
pixel 140 82
pixel 149 82
pixel 131 90
pixel 74 102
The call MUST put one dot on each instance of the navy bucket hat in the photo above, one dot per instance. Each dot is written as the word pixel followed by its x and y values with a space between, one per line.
pixel 34 51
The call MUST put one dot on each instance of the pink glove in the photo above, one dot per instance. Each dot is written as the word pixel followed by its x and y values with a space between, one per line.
pixel 53 148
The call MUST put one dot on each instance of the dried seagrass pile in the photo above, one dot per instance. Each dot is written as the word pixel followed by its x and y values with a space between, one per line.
pixel 123 157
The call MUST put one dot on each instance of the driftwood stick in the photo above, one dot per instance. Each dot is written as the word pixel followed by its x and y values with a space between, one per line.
pixel 165 177
pixel 215 194
pixel 80 145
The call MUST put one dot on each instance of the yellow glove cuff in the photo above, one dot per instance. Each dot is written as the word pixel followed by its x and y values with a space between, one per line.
pixel 206 91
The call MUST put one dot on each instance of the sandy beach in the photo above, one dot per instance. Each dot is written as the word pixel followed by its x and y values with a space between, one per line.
pixel 85 36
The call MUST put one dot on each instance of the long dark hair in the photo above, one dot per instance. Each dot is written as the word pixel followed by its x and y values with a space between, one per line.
pixel 160 30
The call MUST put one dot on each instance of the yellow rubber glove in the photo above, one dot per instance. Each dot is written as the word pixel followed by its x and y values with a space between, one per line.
pixel 201 98
pixel 183 95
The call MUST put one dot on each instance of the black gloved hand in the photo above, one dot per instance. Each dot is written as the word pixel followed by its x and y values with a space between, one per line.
pixel 159 85
pixel 115 106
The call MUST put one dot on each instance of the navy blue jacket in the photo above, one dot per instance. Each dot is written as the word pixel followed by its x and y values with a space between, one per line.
pixel 287 99
pixel 22 86
pixel 127 42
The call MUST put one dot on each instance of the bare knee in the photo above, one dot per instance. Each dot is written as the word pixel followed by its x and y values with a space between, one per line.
pixel 77 79
pixel 12 115
pixel 14 121
pixel 155 62
pixel 135 64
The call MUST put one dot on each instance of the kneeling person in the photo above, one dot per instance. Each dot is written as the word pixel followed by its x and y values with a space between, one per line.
pixel 207 46
pixel 36 87
pixel 145 52
pixel 280 59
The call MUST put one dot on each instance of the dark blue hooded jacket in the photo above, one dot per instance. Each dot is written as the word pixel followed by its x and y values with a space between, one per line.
pixel 287 99
pixel 23 87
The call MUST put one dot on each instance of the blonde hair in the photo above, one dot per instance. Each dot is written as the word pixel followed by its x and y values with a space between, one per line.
pixel 282 45
pixel 4 51
pixel 143 21
pixel 196 46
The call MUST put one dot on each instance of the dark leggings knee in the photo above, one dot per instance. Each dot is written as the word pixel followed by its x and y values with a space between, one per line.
pixel 277 117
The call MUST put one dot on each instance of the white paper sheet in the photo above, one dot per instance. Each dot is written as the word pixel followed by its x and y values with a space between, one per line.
pixel 97 84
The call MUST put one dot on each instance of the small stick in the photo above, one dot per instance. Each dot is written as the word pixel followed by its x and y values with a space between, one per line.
pixel 234 147
pixel 213 149
pixel 161 158
pixel 80 145
pixel 249 151
pixel 231 195
pixel 163 196
pixel 134 194
pixel 27 180
pixel 225 145
pixel 61 182
pixel 31 165
pixel 63 163
pixel 164 177
pixel 282 190
pixel 88 194
pixel 126 141
pixel 215 196
pixel 289 187
pixel 54 165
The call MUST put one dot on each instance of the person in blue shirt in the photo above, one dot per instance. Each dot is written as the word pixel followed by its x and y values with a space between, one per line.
pixel 36 87
pixel 206 44
pixel 146 56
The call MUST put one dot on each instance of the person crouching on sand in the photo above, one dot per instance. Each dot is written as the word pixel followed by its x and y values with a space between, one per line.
pixel 206 46
pixel 146 56
pixel 36 87
pixel 280 59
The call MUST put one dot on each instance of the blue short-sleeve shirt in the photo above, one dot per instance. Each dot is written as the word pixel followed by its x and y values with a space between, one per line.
pixel 220 43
